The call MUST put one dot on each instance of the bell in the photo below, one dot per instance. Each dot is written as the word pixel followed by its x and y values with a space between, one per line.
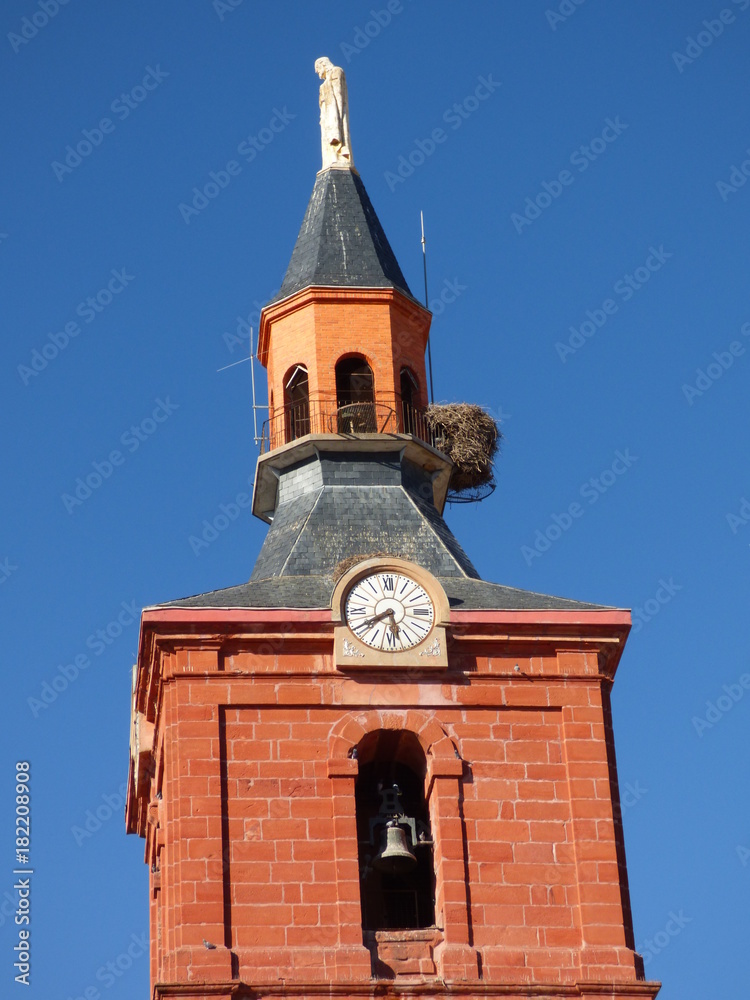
pixel 395 858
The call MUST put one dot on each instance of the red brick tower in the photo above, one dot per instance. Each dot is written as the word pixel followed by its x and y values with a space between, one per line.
pixel 366 770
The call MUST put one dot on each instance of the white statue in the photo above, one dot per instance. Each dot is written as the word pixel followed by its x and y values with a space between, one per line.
pixel 334 115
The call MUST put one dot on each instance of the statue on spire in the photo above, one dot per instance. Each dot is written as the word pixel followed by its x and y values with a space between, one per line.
pixel 334 115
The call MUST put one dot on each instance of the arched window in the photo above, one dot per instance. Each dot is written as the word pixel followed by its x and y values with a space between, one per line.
pixel 355 396
pixel 409 397
pixel 297 403
pixel 396 893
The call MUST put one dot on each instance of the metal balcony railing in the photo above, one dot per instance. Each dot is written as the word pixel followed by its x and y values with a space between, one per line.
pixel 350 420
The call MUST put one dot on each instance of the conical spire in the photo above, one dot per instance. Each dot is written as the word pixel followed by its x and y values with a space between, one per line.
pixel 341 242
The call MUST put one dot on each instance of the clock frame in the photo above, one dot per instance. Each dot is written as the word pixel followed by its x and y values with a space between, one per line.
pixel 389 613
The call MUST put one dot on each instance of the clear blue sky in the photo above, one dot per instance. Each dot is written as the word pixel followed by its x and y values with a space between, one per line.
pixel 616 160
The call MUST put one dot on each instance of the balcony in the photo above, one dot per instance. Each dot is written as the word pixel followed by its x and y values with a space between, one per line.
pixel 352 420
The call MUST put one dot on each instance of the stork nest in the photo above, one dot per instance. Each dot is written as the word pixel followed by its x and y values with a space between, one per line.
pixel 470 437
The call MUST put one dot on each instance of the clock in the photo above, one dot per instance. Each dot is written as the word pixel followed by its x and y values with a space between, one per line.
pixel 389 611
pixel 389 615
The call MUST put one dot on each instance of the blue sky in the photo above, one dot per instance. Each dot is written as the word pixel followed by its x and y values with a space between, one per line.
pixel 587 226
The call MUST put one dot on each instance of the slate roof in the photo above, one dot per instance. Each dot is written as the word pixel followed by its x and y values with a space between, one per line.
pixel 333 506
pixel 309 592
pixel 341 242
pixel 336 505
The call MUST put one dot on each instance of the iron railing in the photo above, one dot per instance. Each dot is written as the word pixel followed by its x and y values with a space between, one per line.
pixel 350 420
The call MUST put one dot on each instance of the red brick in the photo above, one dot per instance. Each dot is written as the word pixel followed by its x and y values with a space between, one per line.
pixel 533 852
pixel 526 751
pixel 536 840
pixel 549 916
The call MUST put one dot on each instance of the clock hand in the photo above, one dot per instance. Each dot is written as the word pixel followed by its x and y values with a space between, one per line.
pixel 377 618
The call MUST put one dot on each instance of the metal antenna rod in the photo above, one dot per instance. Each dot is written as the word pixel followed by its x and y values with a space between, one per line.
pixel 426 305
pixel 252 378
pixel 256 406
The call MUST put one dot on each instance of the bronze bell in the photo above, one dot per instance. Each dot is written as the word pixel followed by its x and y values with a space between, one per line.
pixel 395 858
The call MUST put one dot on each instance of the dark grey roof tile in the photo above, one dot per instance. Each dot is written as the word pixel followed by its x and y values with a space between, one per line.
pixel 341 241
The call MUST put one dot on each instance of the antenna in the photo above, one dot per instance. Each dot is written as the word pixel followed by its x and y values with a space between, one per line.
pixel 252 379
pixel 256 406
pixel 426 300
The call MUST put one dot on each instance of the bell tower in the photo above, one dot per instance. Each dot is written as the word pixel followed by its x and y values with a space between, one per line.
pixel 367 770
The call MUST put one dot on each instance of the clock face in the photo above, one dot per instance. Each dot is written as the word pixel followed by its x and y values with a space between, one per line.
pixel 389 611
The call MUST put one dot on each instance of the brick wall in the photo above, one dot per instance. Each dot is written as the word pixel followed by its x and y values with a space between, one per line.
pixel 254 733
pixel 318 327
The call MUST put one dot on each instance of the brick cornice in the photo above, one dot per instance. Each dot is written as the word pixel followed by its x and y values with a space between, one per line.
pixel 585 990
pixel 532 617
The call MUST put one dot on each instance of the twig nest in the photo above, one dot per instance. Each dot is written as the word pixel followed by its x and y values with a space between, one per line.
pixel 470 437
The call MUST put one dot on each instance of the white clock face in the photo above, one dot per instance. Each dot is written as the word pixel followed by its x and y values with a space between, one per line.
pixel 389 611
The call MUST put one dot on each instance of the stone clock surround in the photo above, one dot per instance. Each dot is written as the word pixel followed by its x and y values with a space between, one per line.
pixel 351 654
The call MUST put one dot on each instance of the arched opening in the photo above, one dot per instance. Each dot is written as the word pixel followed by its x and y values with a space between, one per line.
pixel 297 403
pixel 355 396
pixel 409 389
pixel 390 792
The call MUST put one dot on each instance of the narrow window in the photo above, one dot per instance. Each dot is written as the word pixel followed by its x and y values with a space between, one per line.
pixel 297 403
pixel 355 397
pixel 395 847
